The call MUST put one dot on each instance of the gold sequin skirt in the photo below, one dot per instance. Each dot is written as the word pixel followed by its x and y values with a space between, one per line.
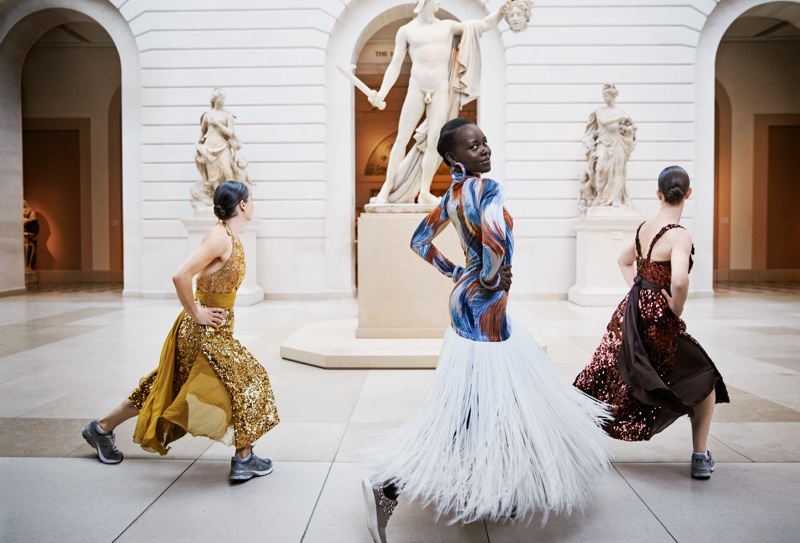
pixel 207 384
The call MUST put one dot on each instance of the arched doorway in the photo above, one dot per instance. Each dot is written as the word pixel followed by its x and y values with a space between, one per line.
pixel 70 153
pixel 758 73
pixel 711 36
pixel 22 25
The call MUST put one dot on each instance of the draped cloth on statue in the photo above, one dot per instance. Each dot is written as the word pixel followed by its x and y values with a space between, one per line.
pixel 464 84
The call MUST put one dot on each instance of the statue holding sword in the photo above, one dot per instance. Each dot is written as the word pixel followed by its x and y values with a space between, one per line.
pixel 445 75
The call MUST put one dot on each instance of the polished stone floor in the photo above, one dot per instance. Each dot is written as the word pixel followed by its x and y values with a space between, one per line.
pixel 67 355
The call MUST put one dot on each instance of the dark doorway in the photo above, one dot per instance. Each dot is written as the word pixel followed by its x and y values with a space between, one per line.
pixel 51 166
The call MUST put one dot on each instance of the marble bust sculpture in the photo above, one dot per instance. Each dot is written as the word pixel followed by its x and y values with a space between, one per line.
pixel 609 140
pixel 518 14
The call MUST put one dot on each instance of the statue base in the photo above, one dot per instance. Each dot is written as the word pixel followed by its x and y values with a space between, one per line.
pixel 400 208
pixel 334 345
pixel 399 294
pixel 31 278
pixel 249 292
pixel 601 235
pixel 402 303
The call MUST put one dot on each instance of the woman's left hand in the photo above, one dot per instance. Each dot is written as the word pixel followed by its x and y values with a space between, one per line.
pixel 505 277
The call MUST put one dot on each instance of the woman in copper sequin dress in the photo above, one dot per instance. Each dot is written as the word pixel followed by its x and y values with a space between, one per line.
pixel 647 367
pixel 207 383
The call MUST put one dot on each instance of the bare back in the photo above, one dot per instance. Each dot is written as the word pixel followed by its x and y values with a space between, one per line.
pixel 663 249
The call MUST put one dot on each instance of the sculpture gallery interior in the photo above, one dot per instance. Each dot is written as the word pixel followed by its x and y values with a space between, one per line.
pixel 120 120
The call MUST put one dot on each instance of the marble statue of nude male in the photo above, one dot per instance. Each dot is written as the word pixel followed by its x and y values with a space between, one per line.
pixel 429 42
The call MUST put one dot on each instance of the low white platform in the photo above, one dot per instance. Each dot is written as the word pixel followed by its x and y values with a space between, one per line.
pixel 333 344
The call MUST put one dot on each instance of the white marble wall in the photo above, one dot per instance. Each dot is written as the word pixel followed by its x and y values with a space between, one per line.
pixel 276 62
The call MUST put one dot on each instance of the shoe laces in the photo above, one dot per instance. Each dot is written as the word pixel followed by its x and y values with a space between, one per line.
pixel 112 440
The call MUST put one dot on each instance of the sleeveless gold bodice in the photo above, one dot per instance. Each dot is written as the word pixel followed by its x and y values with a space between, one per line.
pixel 207 383
pixel 227 279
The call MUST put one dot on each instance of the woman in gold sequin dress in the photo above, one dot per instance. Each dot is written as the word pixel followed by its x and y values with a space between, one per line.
pixel 647 367
pixel 207 383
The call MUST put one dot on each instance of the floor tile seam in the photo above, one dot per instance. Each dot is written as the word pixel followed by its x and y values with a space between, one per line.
pixel 720 462
pixel 645 504
pixel 711 434
pixel 143 511
pixel 333 460
pixel 22 415
pixel 85 385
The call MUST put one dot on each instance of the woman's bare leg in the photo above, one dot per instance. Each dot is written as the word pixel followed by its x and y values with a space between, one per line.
pixel 244 452
pixel 124 411
pixel 701 422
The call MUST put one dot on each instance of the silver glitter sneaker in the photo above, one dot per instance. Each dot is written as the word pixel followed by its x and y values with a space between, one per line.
pixel 103 443
pixel 702 466
pixel 379 509
pixel 244 469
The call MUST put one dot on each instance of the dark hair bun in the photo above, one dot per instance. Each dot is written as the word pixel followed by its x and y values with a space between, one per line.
pixel 675 194
pixel 227 196
pixel 673 183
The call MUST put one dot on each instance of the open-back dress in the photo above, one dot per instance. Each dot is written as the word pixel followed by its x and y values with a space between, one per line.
pixel 207 383
pixel 647 368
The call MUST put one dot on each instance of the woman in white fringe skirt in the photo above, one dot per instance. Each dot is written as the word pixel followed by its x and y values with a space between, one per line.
pixel 500 434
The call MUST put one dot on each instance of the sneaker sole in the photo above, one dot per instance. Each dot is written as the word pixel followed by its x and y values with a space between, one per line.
pixel 249 475
pixel 88 437
pixel 372 511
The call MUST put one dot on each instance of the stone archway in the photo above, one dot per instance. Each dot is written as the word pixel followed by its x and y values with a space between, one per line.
pixel 717 23
pixel 21 25
pixel 353 28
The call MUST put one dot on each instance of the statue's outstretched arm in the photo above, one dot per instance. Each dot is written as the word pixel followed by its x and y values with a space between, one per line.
pixel 493 19
pixel 393 71
pixel 488 23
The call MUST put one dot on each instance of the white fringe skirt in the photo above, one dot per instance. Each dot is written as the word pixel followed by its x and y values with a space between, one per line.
pixel 500 435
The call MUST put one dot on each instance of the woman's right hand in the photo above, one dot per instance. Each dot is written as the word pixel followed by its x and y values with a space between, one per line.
pixel 209 316
pixel 505 278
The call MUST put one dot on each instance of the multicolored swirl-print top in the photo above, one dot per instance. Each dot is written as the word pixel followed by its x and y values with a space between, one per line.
pixel 475 207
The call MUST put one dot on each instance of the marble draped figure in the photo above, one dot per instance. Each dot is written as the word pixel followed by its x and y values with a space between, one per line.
pixel 609 140
pixel 216 155
pixel 445 75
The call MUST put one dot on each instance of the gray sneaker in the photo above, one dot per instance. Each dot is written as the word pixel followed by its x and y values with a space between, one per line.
pixel 103 442
pixel 702 466
pixel 244 469
pixel 379 509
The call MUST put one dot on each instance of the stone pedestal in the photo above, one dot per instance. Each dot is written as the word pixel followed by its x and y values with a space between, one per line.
pixel 402 303
pixel 249 292
pixel 601 235
pixel 399 294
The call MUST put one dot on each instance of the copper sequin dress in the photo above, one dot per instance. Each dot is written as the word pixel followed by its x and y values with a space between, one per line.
pixel 647 367
pixel 207 383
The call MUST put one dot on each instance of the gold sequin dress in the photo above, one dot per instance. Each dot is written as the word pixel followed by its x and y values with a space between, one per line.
pixel 647 367
pixel 207 383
